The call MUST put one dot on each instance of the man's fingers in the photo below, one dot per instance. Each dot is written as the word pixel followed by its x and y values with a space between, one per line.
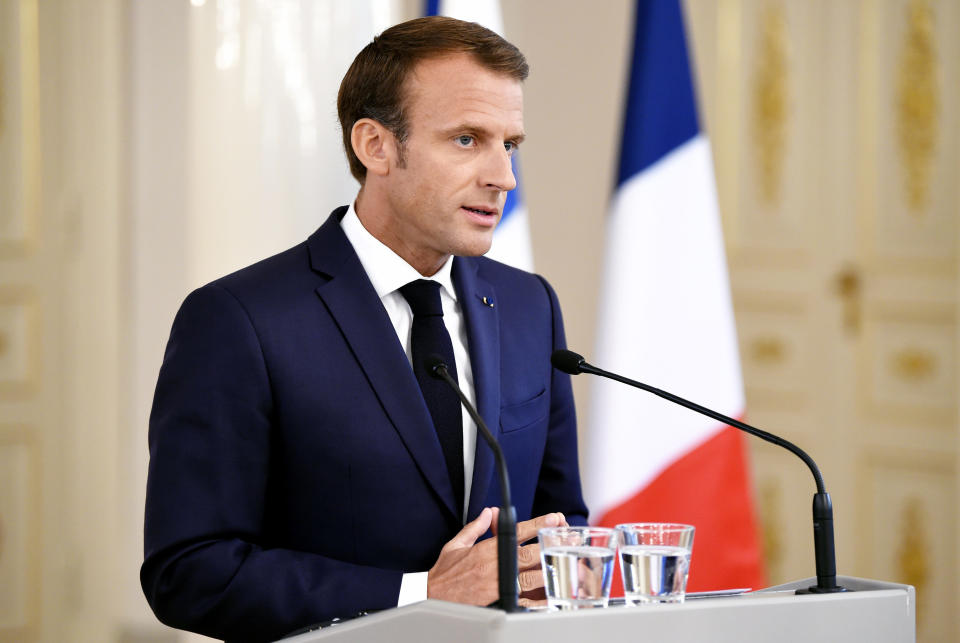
pixel 472 530
pixel 494 517
pixel 466 572
pixel 529 602
pixel 528 556
pixel 530 580
pixel 528 528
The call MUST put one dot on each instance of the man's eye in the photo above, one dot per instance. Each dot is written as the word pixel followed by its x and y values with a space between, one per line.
pixel 465 140
pixel 510 146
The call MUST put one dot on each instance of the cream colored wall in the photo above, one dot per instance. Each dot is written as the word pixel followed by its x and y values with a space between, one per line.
pixel 157 233
pixel 70 269
pixel 578 54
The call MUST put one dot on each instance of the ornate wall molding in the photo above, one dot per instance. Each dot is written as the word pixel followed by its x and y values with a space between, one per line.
pixel 917 103
pixel 913 563
pixel 771 502
pixel 769 98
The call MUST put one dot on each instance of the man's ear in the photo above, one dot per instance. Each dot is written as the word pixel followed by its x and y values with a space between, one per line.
pixel 374 145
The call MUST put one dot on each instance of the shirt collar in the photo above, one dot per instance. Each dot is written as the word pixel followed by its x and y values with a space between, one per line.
pixel 385 268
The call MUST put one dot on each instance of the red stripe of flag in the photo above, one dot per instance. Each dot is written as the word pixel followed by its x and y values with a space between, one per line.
pixel 709 488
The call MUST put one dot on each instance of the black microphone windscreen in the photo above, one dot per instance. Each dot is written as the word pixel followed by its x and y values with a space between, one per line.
pixel 566 361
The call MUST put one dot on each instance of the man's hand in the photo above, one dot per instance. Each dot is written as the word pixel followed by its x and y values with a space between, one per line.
pixel 466 571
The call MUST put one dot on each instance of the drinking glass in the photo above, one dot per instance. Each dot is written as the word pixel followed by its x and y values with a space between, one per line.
pixel 577 566
pixel 655 561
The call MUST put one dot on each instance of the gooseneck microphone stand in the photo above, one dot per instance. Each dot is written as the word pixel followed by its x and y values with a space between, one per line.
pixel 507 522
pixel 572 363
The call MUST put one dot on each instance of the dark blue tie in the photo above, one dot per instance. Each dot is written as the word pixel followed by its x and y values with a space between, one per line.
pixel 429 336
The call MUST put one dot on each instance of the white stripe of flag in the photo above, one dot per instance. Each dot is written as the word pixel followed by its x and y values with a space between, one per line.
pixel 666 319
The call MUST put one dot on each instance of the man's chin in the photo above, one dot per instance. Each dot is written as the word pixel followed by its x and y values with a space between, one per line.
pixel 476 249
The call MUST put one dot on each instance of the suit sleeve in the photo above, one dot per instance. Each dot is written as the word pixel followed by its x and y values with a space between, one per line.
pixel 206 568
pixel 558 487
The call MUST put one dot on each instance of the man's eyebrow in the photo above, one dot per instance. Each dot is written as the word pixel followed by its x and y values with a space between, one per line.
pixel 480 129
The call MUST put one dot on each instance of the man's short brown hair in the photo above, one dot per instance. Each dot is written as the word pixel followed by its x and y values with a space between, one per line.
pixel 373 87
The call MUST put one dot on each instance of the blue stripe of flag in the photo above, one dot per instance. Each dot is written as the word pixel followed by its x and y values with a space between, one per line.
pixel 432 8
pixel 661 110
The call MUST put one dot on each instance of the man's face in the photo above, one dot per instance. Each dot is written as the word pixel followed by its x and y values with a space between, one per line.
pixel 464 123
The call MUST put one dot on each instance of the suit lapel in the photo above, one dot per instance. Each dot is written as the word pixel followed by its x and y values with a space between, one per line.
pixel 354 305
pixel 478 302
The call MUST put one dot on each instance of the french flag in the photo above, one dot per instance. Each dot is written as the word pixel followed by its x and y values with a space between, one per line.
pixel 666 319
pixel 511 239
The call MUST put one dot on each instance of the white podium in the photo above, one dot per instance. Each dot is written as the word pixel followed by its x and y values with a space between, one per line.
pixel 873 611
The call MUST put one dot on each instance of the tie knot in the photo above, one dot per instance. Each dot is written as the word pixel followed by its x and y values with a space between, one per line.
pixel 423 295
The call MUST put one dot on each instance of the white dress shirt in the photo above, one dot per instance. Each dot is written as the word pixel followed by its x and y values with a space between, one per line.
pixel 388 272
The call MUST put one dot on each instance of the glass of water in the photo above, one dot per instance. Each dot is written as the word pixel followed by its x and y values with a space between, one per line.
pixel 655 561
pixel 577 565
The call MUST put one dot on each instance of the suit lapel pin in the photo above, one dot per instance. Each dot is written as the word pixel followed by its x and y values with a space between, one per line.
pixel 487 301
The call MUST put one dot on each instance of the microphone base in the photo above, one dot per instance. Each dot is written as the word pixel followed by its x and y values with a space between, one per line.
pixel 816 589
pixel 509 609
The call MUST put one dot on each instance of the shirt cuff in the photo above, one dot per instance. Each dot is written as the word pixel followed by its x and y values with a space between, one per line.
pixel 413 588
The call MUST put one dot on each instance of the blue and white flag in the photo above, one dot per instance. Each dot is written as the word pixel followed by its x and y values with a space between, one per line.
pixel 511 239
pixel 666 319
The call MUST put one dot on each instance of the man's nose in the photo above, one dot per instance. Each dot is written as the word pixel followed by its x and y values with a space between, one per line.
pixel 499 171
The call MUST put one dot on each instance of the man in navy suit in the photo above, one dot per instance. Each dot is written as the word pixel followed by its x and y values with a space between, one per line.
pixel 296 474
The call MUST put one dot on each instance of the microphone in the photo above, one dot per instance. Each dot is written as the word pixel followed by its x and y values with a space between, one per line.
pixel 507 522
pixel 825 555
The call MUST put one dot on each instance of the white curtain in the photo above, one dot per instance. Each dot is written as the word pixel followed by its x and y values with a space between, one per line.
pixel 235 155
pixel 265 152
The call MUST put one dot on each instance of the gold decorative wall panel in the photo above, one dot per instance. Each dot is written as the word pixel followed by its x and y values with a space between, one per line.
pixel 910 538
pixel 19 344
pixel 913 552
pixel 770 102
pixel 914 364
pixel 18 537
pixel 771 129
pixel 774 346
pixel 847 284
pixel 917 103
pixel 21 407
pixel 19 125
pixel 910 368
pixel 770 350
pixel 771 518
pixel 912 111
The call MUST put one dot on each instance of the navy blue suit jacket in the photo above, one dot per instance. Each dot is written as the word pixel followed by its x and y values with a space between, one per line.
pixel 295 473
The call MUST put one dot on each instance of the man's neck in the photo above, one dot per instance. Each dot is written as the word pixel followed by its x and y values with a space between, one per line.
pixel 373 219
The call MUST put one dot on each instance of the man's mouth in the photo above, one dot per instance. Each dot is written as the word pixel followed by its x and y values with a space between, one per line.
pixel 480 210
